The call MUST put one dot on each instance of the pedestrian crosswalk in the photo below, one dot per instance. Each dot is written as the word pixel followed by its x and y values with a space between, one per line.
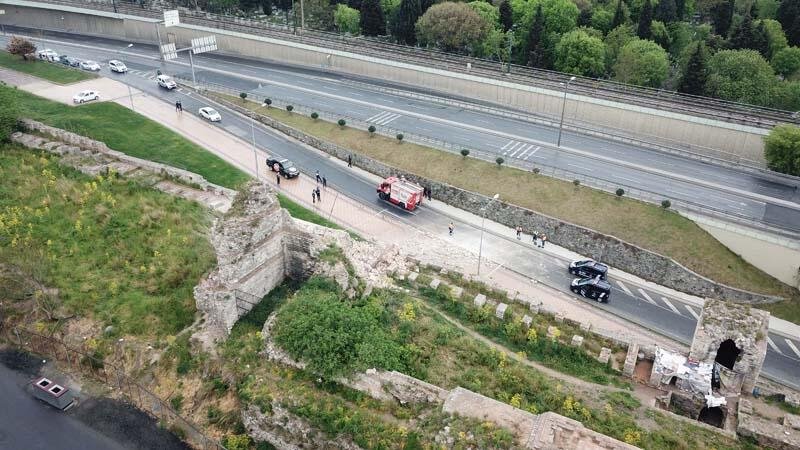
pixel 384 118
pixel 793 347
pixel 519 150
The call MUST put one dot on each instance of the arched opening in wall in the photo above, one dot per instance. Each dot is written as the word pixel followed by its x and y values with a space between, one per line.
pixel 673 381
pixel 727 353
pixel 713 416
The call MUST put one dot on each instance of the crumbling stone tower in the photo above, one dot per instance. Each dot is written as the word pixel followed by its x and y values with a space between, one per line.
pixel 735 337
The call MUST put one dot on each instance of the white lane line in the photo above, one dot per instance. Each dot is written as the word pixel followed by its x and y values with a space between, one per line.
pixel 580 167
pixel 389 118
pixel 692 312
pixel 791 346
pixel 517 150
pixel 625 288
pixel 671 306
pixel 507 144
pixel 523 153
pixel 559 262
pixel 531 154
pixel 646 297
pixel 509 149
pixel 376 116
pixel 774 347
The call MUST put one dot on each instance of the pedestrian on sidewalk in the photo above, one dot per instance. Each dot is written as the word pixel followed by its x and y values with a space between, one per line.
pixel 533 237
pixel 278 179
pixel 179 106
pixel 349 160
pixel 430 194
pixel 450 228
pixel 313 196
pixel 319 179
pixel 319 197
pixel 519 232
pixel 324 182
pixel 424 192
pixel 544 239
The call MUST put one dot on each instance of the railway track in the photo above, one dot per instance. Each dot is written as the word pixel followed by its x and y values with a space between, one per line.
pixel 751 115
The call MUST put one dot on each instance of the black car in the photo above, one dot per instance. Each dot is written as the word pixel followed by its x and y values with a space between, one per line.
pixel 283 167
pixel 593 288
pixel 588 269
pixel 70 61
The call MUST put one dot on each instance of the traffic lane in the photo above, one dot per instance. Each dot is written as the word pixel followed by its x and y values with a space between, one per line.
pixel 27 423
pixel 781 368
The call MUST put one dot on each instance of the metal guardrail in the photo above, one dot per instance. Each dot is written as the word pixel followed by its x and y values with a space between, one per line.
pixel 115 376
pixel 728 111
pixel 545 170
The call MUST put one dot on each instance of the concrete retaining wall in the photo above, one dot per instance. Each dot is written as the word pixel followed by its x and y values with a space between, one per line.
pixel 714 138
pixel 616 252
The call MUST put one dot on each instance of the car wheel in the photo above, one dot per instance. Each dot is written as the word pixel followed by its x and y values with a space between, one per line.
pixel 80 101
pixel 583 292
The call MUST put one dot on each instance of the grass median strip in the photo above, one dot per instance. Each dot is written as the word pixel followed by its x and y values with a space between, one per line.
pixel 55 72
pixel 640 223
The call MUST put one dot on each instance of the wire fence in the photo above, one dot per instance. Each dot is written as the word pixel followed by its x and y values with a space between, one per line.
pixel 729 111
pixel 792 231
pixel 84 363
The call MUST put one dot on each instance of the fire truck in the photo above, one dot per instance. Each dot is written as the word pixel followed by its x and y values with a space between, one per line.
pixel 401 192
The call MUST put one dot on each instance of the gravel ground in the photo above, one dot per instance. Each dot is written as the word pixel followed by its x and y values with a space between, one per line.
pixel 22 362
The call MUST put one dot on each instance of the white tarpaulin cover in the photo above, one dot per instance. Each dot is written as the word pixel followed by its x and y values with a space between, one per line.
pixel 696 375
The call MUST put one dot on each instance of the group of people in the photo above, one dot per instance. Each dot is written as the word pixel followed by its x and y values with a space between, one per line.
pixel 538 239
pixel 316 195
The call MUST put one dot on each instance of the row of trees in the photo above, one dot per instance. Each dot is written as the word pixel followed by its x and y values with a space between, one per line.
pixel 740 50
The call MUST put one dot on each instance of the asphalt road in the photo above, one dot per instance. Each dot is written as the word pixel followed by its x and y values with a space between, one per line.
pixel 657 175
pixel 667 315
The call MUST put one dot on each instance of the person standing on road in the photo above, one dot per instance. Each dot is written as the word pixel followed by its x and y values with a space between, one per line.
pixel 533 237
pixel 319 179
pixel 278 179
pixel 519 232
pixel 349 160
pixel 450 228
pixel 324 182
pixel 313 196
pixel 178 106
pixel 544 239
pixel 430 194
pixel 319 196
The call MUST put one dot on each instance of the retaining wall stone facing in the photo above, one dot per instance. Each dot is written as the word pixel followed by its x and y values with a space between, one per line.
pixel 609 249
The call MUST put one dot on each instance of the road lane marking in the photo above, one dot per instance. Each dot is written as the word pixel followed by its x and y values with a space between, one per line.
pixel 509 149
pixel 559 262
pixel 376 116
pixel 671 306
pixel 691 311
pixel 647 297
pixel 387 119
pixel 517 150
pixel 774 347
pixel 507 144
pixel 493 270
pixel 791 346
pixel 531 153
pixel 625 288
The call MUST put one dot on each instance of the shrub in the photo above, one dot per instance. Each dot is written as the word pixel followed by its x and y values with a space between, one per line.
pixel 399 137
pixel 20 47
pixel 499 161
pixel 289 108
pixel 342 123
pixel 267 102
pixel 237 442
pixel 176 402
pixel 243 95
pixel 620 192
pixel 314 116
pixel 666 204
pixel 576 182
pixel 464 152
pixel 371 130
pixel 536 170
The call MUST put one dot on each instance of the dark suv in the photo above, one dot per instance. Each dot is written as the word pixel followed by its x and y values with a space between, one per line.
pixel 588 269
pixel 593 288
pixel 283 167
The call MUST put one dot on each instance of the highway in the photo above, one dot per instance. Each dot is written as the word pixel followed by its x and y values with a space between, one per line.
pixel 728 192
pixel 665 314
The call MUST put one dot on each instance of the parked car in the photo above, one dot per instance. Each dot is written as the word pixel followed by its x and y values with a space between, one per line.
pixel 210 114
pixel 588 268
pixel 283 167
pixel 166 82
pixel 48 55
pixel 593 288
pixel 117 66
pixel 71 61
pixel 89 65
pixel 86 96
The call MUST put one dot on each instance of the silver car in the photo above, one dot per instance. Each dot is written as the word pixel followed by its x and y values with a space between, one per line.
pixel 117 66
pixel 89 65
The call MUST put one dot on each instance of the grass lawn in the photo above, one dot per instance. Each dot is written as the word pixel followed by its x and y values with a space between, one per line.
pixel 302 213
pixel 117 252
pixel 131 133
pixel 637 222
pixel 55 72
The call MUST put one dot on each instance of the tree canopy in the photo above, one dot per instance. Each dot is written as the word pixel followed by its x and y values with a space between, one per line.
pixel 453 27
pixel 740 76
pixel 696 73
pixel 580 54
pixel 373 22
pixel 642 62
pixel 782 149
pixel 347 19
pixel 786 62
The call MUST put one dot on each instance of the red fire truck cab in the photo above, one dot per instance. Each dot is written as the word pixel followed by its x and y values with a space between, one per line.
pixel 401 192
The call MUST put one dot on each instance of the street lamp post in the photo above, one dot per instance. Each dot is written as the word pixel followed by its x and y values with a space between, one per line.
pixel 483 221
pixel 255 152
pixel 563 107
pixel 130 94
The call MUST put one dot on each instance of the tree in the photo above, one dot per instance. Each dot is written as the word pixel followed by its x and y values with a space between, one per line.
pixel 9 113
pixel 767 9
pixel 740 76
pixel 20 47
pixel 373 22
pixel 620 192
pixel 347 19
pixel 776 39
pixel 285 6
pixel 723 16
pixel 696 71
pixel 580 54
pixel 601 20
pixel 405 25
pixel 782 149
pixel 659 34
pixel 371 130
pixel 666 204
pixel 499 161
pixel 341 123
pixel 266 6
pixel 643 63
pixel 743 36
pixel 536 48
pixel 619 15
pixel 267 102
pixel 761 40
pixel 506 15
pixel 786 62
pixel 667 11
pixel 314 116
pixel 243 95
pixel 289 108
pixel 785 95
pixel 465 152
pixel 615 40
pixel 645 21
pixel 399 138
pixel 680 9
pixel 789 17
pixel 452 27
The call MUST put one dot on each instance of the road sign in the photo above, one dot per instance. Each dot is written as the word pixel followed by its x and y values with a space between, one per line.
pixel 169 51
pixel 171 18
pixel 204 44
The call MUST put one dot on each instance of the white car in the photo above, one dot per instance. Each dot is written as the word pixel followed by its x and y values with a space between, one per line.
pixel 86 96
pixel 117 66
pixel 89 65
pixel 166 81
pixel 210 114
pixel 47 54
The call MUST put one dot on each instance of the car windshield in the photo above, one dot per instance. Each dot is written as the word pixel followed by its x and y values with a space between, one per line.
pixel 287 164
pixel 585 281
pixel 211 111
pixel 583 263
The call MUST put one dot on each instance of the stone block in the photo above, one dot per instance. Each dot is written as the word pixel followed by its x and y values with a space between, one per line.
pixel 527 321
pixel 577 340
pixel 479 301
pixel 605 355
pixel 551 332
pixel 443 271
pixel 630 359
pixel 534 308
pixel 456 292
pixel 559 318
pixel 500 312
pixel 435 283
pixel 412 277
pixel 586 326
pixel 793 399
pixel 791 421
pixel 745 407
